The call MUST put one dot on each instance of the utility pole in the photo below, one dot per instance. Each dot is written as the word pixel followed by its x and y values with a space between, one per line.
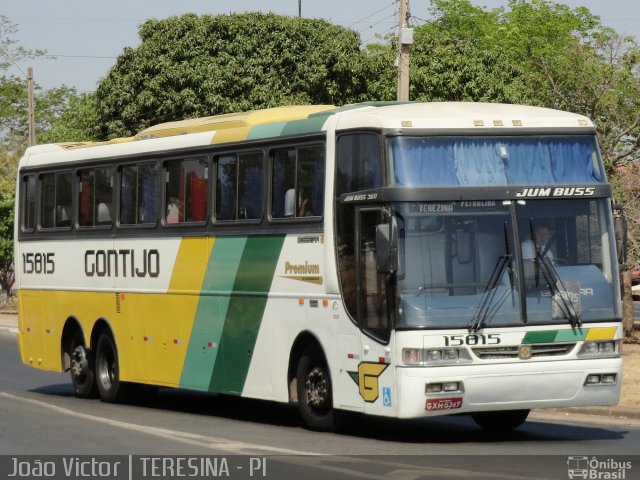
pixel 32 107
pixel 299 8
pixel 405 39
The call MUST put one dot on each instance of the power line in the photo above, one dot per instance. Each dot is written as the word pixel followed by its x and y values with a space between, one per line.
pixel 56 55
pixel 379 22
pixel 372 14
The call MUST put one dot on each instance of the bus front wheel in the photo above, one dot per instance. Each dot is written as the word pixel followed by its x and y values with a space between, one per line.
pixel 500 421
pixel 82 370
pixel 315 399
pixel 110 388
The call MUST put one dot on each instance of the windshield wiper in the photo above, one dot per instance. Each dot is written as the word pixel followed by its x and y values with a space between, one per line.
pixel 489 293
pixel 558 290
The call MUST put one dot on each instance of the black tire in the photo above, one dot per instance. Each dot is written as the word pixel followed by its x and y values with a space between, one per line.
pixel 315 398
pixel 107 368
pixel 82 369
pixel 500 421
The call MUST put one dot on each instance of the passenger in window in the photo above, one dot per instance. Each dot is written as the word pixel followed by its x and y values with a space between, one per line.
pixel 305 208
pixel 173 210
pixel 104 214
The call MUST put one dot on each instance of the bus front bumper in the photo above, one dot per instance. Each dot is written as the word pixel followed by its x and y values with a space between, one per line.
pixel 516 386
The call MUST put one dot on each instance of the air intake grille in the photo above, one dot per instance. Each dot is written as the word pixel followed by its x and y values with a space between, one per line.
pixel 541 350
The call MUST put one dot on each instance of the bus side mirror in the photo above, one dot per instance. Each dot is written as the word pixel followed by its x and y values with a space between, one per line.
pixel 387 247
pixel 620 229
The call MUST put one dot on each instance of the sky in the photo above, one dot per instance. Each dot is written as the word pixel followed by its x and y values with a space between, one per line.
pixel 86 36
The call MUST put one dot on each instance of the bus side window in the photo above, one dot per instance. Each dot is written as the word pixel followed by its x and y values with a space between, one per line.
pixel 95 197
pixel 239 186
pixel 28 203
pixel 186 190
pixel 139 194
pixel 226 188
pixel 250 184
pixel 298 182
pixel 56 200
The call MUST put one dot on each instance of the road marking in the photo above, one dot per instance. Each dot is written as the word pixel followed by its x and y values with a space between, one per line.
pixel 216 443
pixel 330 463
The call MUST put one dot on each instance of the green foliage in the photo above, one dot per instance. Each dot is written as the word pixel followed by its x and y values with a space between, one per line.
pixel 6 242
pixel 535 52
pixel 444 69
pixel 192 66
pixel 71 118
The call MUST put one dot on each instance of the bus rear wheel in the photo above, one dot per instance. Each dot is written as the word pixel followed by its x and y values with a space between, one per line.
pixel 500 421
pixel 110 388
pixel 315 399
pixel 82 370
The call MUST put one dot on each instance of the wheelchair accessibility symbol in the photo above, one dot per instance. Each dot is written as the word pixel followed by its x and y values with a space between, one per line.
pixel 386 396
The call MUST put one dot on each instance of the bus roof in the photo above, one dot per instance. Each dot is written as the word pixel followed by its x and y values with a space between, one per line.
pixel 294 120
pixel 461 115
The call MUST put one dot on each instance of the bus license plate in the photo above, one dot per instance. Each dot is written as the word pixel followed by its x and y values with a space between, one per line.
pixel 434 404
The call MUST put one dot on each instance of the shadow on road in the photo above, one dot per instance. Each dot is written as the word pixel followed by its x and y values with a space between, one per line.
pixel 455 429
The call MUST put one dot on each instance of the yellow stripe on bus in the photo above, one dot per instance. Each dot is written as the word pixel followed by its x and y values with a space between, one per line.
pixel 604 333
pixel 167 337
pixel 191 265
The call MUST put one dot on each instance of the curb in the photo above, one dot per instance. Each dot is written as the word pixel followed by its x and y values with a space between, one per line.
pixel 10 330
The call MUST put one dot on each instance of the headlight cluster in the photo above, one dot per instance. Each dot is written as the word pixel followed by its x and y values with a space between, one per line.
pixel 607 348
pixel 434 356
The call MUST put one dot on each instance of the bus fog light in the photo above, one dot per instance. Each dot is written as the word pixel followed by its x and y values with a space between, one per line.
pixel 592 380
pixel 609 378
pixel 451 386
pixel 433 388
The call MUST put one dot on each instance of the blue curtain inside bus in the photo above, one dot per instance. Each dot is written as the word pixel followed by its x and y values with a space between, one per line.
pixel 451 161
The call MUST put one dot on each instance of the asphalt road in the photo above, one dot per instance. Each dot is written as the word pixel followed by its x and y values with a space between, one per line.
pixel 40 416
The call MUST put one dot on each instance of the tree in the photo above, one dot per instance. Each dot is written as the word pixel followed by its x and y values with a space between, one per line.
pixel 69 117
pixel 535 52
pixel 7 274
pixel 191 66
pixel 60 114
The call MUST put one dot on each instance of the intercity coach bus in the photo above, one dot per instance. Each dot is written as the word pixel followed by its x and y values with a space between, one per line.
pixel 380 258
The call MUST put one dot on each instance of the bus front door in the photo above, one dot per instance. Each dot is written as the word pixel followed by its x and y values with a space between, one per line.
pixel 375 306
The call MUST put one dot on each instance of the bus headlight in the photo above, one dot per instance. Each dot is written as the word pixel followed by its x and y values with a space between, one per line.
pixel 606 348
pixel 434 356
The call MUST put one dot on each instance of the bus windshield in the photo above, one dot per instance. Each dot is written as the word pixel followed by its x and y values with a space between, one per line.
pixel 466 264
pixel 493 160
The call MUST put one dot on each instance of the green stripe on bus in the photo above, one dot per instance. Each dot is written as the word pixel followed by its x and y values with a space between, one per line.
pixel 266 131
pixel 545 336
pixel 310 125
pixel 572 335
pixel 555 336
pixel 205 338
pixel 244 316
